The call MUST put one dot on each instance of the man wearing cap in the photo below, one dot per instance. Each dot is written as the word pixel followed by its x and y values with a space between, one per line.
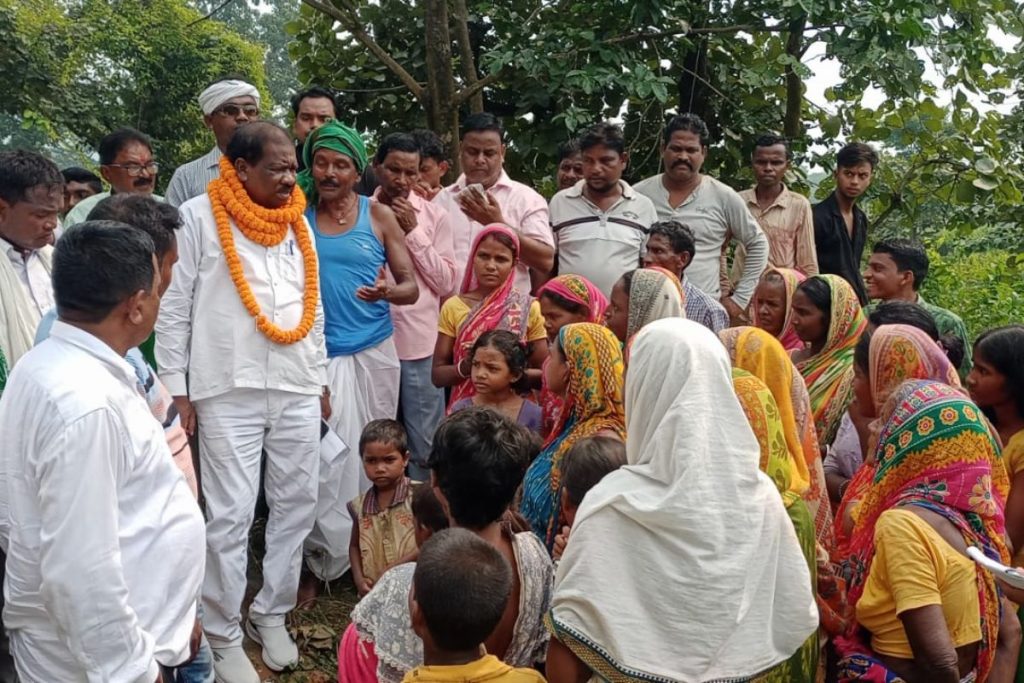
pixel 226 105
pixel 356 239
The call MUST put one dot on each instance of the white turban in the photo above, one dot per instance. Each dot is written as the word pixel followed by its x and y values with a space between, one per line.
pixel 222 91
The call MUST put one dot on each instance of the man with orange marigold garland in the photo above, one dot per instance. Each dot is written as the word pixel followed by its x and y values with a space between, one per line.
pixel 244 323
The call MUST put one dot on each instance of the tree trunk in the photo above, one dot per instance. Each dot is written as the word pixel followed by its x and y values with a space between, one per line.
pixel 441 105
pixel 793 125
pixel 467 62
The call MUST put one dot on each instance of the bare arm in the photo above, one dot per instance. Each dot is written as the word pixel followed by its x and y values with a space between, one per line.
pixel 443 372
pixel 538 354
pixel 355 556
pixel 405 291
pixel 934 654
pixel 563 666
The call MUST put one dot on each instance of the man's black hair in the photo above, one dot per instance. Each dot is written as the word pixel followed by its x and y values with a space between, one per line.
pixel 431 145
pixel 856 153
pixel 690 123
pixel 22 170
pixel 248 141
pixel 569 148
pixel 313 92
pixel 112 143
pixel 770 140
pixel 480 123
pixel 907 255
pixel 77 174
pixel 396 142
pixel 605 135
pixel 157 219
pixel 97 265
pixel 679 236
pixel 897 312
pixel 478 460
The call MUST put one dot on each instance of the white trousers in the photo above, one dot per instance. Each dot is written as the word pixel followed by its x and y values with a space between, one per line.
pixel 234 429
pixel 364 387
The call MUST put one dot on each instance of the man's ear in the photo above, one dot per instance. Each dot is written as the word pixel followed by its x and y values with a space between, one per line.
pixel 444 166
pixel 134 307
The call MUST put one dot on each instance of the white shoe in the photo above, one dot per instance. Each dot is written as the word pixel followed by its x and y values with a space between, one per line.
pixel 279 650
pixel 232 665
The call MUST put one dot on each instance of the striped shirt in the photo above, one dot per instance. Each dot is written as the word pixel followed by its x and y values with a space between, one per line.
pixel 600 245
pixel 703 308
pixel 190 180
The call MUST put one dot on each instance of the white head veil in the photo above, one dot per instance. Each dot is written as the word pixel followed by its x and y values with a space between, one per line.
pixel 683 565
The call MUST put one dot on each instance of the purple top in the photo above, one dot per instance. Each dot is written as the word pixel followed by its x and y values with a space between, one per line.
pixel 530 414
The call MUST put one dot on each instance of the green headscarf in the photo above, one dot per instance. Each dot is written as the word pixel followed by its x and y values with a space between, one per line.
pixel 334 136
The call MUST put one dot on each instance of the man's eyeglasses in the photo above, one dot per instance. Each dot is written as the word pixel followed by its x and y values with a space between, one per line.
pixel 233 110
pixel 135 170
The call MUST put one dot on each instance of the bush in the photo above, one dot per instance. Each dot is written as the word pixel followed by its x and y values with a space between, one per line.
pixel 983 288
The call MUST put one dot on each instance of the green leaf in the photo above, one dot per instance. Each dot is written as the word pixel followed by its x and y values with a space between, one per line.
pixel 985 165
pixel 984 182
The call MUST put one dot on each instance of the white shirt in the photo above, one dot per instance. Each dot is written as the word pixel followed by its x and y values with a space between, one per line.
pixel 715 213
pixel 105 543
pixel 190 180
pixel 204 330
pixel 600 245
pixel 34 277
pixel 523 209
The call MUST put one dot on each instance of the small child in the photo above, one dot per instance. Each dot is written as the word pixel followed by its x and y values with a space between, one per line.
pixel 383 531
pixel 498 371
pixel 584 465
pixel 459 591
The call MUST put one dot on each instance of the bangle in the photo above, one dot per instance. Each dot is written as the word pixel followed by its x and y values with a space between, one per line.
pixel 458 369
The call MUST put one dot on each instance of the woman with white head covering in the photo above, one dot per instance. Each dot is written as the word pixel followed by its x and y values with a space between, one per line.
pixel 718 589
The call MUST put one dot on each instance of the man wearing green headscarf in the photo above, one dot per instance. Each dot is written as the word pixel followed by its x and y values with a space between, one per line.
pixel 355 240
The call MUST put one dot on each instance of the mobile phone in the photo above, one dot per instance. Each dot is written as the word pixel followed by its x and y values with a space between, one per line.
pixel 1012 576
pixel 477 190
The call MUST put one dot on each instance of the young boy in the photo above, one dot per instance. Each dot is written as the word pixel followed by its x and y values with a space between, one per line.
pixel 383 530
pixel 459 591
pixel 585 465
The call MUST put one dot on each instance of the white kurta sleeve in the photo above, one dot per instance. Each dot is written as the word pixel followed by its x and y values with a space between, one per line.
pixel 174 324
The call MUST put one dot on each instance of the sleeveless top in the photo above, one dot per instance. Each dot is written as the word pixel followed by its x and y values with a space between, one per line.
pixel 348 261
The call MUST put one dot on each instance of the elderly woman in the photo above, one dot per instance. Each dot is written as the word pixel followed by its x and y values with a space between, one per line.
pixel 355 240
pixel 924 611
pixel 718 587
pixel 642 296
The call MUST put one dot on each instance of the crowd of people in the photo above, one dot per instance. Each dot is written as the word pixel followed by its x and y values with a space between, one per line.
pixel 428 386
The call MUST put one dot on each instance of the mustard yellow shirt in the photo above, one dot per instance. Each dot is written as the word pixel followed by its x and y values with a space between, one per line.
pixel 915 567
pixel 385 535
pixel 488 668
pixel 455 310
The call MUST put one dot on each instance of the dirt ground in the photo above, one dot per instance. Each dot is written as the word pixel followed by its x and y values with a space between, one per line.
pixel 316 629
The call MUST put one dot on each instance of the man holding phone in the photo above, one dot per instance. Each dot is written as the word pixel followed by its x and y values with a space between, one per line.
pixel 484 194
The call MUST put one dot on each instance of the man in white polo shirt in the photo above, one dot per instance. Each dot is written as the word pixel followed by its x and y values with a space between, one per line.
pixel 600 223
pixel 713 210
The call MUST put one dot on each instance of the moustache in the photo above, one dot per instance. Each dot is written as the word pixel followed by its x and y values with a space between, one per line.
pixel 329 183
pixel 143 182
pixel 687 164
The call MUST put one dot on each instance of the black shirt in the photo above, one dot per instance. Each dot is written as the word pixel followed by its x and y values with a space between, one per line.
pixel 837 252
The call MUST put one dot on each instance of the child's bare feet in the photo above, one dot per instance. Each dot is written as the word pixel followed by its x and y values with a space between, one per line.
pixel 309 590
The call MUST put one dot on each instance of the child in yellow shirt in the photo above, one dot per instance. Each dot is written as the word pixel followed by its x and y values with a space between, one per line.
pixel 458 596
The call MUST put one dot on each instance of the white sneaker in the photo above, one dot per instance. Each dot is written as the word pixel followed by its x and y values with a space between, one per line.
pixel 279 650
pixel 232 665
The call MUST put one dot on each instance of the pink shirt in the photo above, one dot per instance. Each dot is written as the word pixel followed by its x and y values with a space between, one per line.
pixel 523 209
pixel 430 246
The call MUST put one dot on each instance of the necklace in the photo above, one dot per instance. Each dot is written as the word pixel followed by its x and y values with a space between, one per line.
pixel 342 217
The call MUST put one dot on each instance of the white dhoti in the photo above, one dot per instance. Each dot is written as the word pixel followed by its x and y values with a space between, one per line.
pixel 364 387
pixel 234 429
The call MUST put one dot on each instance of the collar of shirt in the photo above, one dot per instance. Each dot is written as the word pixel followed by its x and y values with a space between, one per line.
pixel 212 158
pixel 13 251
pixel 370 506
pixel 833 206
pixel 782 201
pixel 94 346
pixel 576 190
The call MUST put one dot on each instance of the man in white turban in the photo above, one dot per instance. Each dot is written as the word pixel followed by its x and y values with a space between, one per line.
pixel 227 104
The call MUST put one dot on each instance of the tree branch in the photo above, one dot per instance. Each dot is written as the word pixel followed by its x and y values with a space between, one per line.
pixel 212 12
pixel 705 30
pixel 466 60
pixel 349 18
pixel 471 90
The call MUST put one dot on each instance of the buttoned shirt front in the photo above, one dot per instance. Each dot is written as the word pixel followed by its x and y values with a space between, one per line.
pixel 190 180
pixel 105 543
pixel 715 213
pixel 840 252
pixel 34 276
pixel 205 332
pixel 522 208
pixel 789 226
pixel 600 245
pixel 433 259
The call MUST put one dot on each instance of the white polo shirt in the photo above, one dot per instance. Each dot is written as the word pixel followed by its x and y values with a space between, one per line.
pixel 600 245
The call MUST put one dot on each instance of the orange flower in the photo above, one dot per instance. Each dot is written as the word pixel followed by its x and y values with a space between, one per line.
pixel 268 227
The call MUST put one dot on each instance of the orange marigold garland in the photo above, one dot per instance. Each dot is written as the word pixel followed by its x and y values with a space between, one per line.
pixel 268 227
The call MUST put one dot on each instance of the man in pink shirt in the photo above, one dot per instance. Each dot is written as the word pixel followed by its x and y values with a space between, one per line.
pixel 428 237
pixel 504 200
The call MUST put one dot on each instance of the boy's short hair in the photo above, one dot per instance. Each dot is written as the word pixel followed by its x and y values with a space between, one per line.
pixel 855 154
pixel 587 463
pixel 427 509
pixel 390 432
pixel 478 460
pixel 462 584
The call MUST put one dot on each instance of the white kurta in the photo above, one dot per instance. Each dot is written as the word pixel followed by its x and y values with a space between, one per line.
pixel 105 543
